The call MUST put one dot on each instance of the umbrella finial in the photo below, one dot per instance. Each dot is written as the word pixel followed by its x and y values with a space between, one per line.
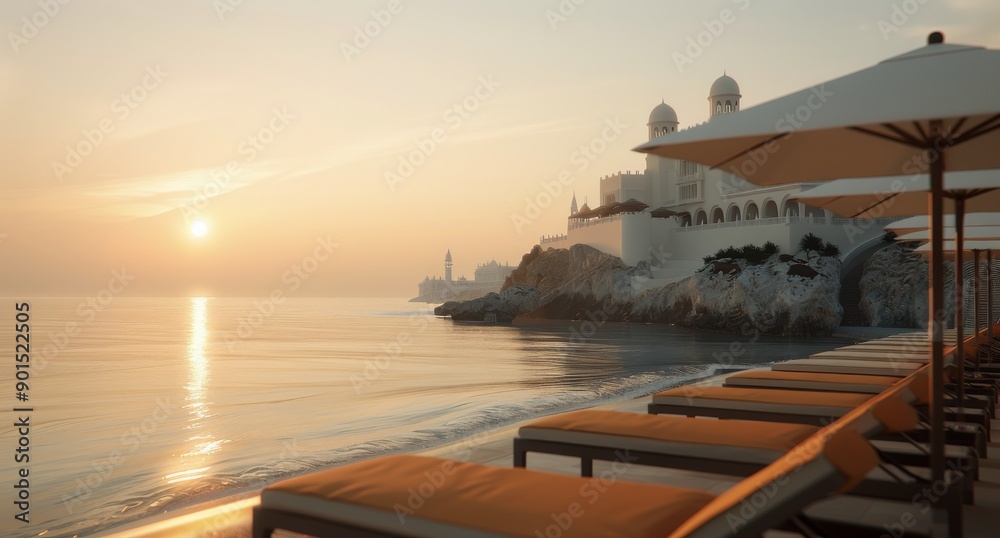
pixel 935 38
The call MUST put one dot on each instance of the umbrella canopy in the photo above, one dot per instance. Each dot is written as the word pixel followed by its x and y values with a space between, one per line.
pixel 632 206
pixel 607 210
pixel 875 122
pixel 975 233
pixel 662 213
pixel 897 196
pixel 584 213
pixel 926 110
pixel 914 224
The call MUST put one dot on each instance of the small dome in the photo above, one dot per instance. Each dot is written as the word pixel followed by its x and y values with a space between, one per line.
pixel 724 85
pixel 661 113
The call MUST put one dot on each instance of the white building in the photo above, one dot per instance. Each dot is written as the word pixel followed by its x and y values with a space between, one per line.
pixel 693 211
pixel 489 276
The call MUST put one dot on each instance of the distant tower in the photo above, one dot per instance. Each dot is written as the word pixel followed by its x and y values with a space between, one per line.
pixel 572 206
pixel 447 266
pixel 724 97
pixel 662 120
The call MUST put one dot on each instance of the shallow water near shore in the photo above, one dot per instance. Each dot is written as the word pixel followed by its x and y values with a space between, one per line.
pixel 155 404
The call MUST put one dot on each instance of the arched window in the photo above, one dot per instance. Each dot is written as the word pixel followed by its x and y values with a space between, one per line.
pixel 718 215
pixel 770 209
pixel 729 105
pixel 656 131
pixel 718 107
pixel 610 199
pixel 734 214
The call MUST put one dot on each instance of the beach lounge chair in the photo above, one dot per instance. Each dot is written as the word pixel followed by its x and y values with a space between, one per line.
pixel 796 406
pixel 848 366
pixel 982 397
pixel 742 446
pixel 420 496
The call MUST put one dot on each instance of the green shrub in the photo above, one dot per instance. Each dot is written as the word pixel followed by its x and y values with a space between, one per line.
pixel 753 254
pixel 829 249
pixel 810 242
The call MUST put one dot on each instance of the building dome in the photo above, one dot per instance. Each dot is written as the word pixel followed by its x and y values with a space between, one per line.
pixel 661 113
pixel 725 85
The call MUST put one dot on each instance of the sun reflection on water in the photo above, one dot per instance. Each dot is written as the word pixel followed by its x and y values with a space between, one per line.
pixel 199 371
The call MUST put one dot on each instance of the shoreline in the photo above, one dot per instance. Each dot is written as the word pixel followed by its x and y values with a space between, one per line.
pixel 230 515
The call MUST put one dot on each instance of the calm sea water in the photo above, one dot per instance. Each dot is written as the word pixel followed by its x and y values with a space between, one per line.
pixel 155 404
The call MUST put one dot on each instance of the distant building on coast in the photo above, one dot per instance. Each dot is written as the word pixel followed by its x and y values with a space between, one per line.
pixel 488 277
pixel 675 212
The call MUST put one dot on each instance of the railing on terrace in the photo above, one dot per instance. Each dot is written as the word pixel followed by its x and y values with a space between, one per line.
pixel 573 225
pixel 774 221
pixel 552 238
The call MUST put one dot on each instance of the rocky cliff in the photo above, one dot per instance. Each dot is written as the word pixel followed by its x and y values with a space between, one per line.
pixel 794 297
pixel 781 296
pixel 894 288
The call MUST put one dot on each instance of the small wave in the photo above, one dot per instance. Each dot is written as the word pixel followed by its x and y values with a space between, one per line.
pixel 468 427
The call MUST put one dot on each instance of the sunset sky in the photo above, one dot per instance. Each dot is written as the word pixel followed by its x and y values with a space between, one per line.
pixel 281 125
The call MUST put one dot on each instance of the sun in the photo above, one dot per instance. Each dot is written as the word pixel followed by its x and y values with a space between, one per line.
pixel 199 228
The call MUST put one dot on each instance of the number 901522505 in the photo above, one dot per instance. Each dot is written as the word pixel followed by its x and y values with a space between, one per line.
pixel 22 349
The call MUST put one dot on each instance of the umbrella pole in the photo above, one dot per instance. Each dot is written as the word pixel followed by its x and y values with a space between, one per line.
pixel 960 302
pixel 935 202
pixel 989 306
pixel 976 285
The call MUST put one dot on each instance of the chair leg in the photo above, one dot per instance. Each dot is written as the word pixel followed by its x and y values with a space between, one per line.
pixel 520 454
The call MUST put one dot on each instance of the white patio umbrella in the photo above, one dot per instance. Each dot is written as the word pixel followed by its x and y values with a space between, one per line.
pixel 914 224
pixel 904 195
pixel 894 196
pixel 975 233
pixel 934 108
pixel 970 246
pixel 976 247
